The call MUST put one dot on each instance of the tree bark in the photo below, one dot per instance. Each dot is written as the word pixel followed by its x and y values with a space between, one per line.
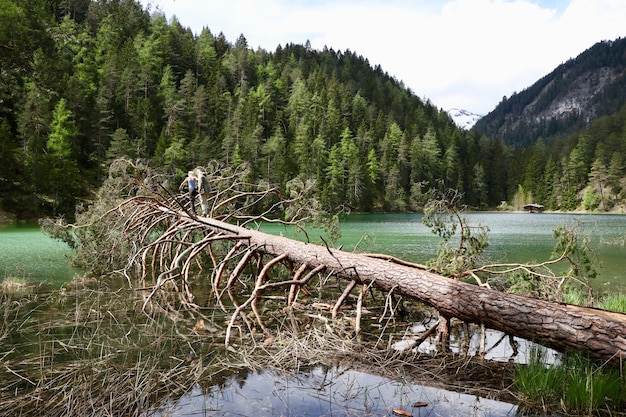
pixel 559 326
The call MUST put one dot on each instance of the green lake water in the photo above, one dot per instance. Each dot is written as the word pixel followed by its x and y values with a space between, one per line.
pixel 27 253
pixel 513 238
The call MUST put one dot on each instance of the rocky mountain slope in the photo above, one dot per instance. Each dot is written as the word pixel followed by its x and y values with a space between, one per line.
pixel 568 99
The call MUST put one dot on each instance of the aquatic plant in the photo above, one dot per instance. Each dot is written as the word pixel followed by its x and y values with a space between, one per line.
pixel 575 384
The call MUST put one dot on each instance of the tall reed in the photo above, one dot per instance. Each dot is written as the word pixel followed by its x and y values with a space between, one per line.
pixel 575 385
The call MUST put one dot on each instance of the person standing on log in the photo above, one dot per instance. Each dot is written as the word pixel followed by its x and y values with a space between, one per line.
pixel 192 185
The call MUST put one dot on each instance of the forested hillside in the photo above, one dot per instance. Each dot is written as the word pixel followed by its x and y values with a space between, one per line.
pixel 84 82
pixel 569 133
pixel 565 101
pixel 582 171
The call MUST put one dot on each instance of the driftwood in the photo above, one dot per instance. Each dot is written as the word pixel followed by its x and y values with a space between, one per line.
pixel 559 326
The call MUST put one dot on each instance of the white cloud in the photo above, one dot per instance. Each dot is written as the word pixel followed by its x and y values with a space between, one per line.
pixel 457 53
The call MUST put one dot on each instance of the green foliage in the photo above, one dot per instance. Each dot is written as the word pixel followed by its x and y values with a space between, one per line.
pixel 442 214
pixel 526 282
pixel 109 80
pixel 591 200
pixel 9 173
pixel 62 131
pixel 565 277
pixel 521 198
pixel 120 146
pixel 582 260
pixel 614 302
pixel 576 385
pixel 99 246
pixel 63 175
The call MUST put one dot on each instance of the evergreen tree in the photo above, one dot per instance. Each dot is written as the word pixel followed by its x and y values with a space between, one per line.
pixel 273 151
pixel 62 130
pixel 599 178
pixel 33 126
pixel 425 157
pixel 532 174
pixel 616 174
pixel 333 187
pixel 135 84
pixel 547 191
pixel 63 177
pixel 121 146
pixel 452 168
pixel 353 170
pixel 479 187
pixel 10 172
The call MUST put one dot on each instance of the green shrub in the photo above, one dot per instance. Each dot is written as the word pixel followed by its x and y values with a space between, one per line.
pixel 591 200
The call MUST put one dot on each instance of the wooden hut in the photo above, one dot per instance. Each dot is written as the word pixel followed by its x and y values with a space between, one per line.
pixel 533 208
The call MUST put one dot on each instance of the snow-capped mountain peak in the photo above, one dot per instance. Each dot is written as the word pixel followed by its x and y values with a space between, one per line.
pixel 463 118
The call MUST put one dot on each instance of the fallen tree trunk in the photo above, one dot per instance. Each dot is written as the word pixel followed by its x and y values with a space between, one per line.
pixel 559 326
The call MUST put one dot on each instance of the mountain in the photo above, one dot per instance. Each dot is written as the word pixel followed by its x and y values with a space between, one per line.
pixel 565 101
pixel 463 118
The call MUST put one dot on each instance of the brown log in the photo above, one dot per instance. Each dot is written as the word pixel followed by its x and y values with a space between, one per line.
pixel 559 326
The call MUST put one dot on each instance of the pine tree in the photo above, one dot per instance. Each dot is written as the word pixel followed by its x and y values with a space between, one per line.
pixel 120 146
pixel 62 131
pixel 63 177
pixel 616 174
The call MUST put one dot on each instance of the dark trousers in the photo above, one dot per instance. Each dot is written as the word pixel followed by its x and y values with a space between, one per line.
pixel 192 199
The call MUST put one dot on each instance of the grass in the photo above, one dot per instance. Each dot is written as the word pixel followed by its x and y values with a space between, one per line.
pixel 535 381
pixel 615 302
pixel 576 385
pixel 575 295
pixel 16 286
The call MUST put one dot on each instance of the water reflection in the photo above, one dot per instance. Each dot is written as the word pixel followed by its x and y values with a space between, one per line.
pixel 333 392
pixel 470 340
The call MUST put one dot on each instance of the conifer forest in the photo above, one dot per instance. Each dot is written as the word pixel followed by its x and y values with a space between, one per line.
pixel 84 82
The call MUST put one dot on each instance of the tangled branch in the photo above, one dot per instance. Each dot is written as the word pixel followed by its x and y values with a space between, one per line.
pixel 173 258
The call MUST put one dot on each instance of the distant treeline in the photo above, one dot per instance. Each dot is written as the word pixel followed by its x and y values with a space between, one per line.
pixel 84 82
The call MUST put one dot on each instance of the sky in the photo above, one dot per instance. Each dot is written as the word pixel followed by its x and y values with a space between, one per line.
pixel 464 54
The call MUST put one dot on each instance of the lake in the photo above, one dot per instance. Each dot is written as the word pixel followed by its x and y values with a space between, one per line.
pixel 513 238
pixel 25 252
